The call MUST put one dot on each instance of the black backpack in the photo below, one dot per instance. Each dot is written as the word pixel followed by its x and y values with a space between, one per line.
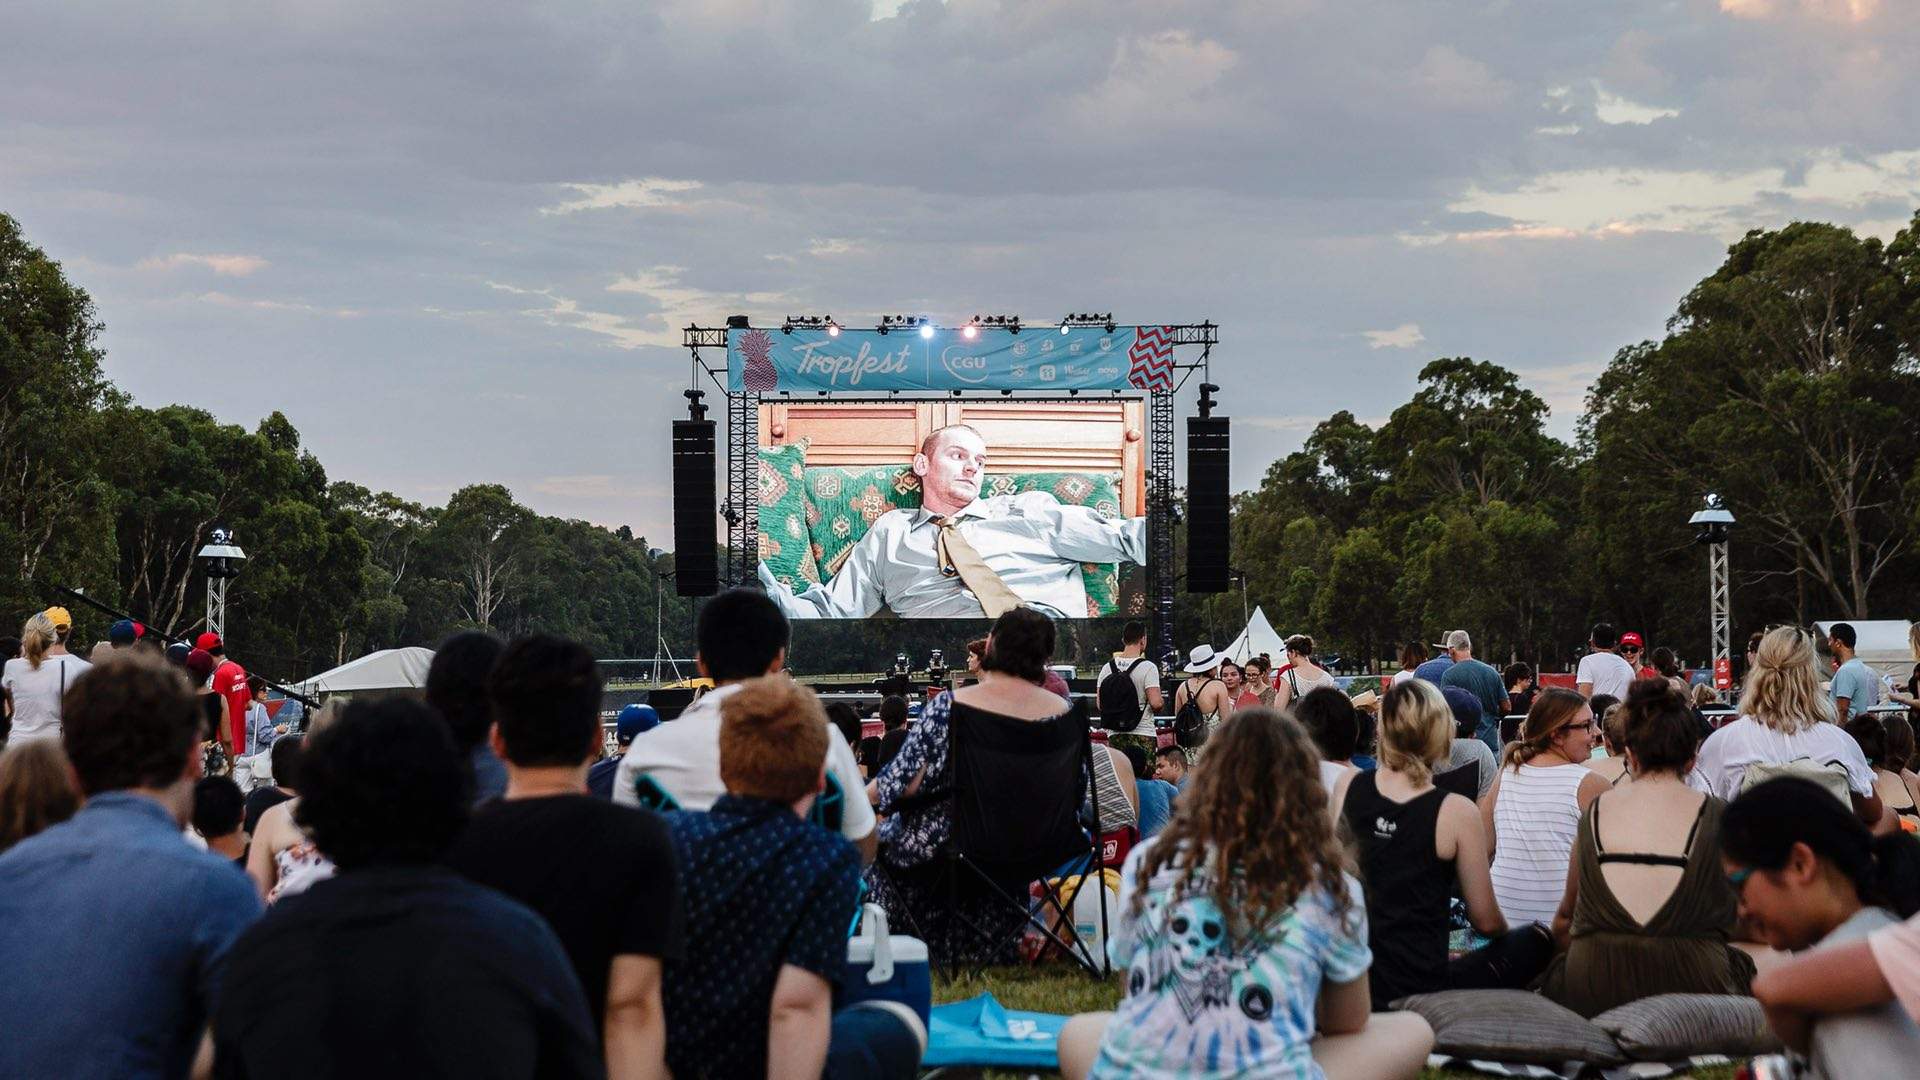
pixel 1190 724
pixel 1119 699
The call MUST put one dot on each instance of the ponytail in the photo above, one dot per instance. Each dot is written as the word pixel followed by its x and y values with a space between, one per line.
pixel 1762 826
pixel 36 637
pixel 1552 711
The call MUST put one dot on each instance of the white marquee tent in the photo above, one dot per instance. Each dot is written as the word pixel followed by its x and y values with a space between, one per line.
pixel 387 669
pixel 1259 637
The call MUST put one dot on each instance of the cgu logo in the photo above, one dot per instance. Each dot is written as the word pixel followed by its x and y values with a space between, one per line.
pixel 963 367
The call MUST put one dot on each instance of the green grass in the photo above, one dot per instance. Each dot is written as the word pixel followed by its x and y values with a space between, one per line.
pixel 1058 988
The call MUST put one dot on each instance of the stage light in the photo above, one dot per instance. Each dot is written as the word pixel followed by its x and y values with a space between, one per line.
pixel 926 330
pixel 1063 326
pixel 969 331
pixel 833 329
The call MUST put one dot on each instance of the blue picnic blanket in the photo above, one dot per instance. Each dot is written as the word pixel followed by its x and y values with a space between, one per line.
pixel 979 1032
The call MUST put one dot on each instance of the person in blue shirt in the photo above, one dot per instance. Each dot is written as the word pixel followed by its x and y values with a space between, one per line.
pixel 634 720
pixel 1856 688
pixel 1156 796
pixel 114 930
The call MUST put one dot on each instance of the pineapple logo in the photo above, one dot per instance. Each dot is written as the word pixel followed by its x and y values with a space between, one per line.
pixel 758 374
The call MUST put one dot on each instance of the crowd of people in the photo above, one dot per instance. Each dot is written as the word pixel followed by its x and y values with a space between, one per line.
pixel 473 883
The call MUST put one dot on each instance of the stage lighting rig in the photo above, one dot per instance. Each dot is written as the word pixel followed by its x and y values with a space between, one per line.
pixel 811 322
pixel 1088 318
pixel 695 409
pixel 906 322
pixel 1009 323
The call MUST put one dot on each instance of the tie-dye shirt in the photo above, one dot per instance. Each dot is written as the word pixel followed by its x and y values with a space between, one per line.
pixel 1199 1004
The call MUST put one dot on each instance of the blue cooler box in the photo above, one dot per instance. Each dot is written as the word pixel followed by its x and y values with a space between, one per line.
pixel 885 967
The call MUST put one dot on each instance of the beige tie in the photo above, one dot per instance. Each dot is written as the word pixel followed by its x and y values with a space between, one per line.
pixel 958 558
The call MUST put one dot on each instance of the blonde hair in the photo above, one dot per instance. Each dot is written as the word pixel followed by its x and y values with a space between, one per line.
pixel 1783 689
pixel 1552 711
pixel 1416 729
pixel 36 637
pixel 1704 695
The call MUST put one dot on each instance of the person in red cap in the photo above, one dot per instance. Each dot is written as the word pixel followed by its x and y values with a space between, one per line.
pixel 230 682
pixel 1632 648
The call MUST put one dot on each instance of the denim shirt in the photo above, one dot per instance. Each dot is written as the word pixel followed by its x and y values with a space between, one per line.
pixel 113 932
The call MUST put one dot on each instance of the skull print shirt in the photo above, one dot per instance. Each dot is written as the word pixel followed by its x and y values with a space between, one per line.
pixel 1200 1003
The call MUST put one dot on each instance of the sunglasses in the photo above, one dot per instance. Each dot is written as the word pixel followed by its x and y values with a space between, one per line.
pixel 1585 725
pixel 1737 881
pixel 1630 648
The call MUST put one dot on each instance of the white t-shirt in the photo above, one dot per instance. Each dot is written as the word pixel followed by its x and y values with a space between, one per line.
pixel 36 693
pixel 683 757
pixel 1725 755
pixel 1145 676
pixel 1608 673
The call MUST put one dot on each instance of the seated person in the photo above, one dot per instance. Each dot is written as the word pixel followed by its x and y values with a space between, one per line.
pixel 1468 757
pixel 1329 717
pixel 1647 910
pixel 218 812
pixel 601 875
pixel 1870 732
pixel 1171 765
pixel 1533 811
pixel 916 829
pixel 1260 971
pixel 1810 875
pixel 772 896
pixel 893 719
pixel 634 721
pixel 285 760
pixel 740 635
pixel 1413 839
pixel 1155 795
pixel 1613 739
pixel 397 966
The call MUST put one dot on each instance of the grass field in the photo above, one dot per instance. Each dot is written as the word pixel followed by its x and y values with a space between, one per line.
pixel 1059 989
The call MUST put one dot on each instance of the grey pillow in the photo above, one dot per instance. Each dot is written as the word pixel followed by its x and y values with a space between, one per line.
pixel 1510 1025
pixel 1668 1027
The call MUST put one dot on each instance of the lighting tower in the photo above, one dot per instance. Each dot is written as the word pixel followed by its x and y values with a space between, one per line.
pixel 1711 524
pixel 220 559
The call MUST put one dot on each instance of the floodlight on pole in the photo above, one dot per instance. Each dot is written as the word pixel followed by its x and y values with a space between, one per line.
pixel 1711 523
pixel 220 559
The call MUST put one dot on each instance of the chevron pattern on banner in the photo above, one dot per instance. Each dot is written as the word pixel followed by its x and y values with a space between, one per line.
pixel 1151 356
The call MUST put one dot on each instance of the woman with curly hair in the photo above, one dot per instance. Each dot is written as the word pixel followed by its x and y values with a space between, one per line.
pixel 1242 936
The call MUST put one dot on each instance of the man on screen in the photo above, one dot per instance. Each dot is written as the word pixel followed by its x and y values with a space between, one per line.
pixel 958 556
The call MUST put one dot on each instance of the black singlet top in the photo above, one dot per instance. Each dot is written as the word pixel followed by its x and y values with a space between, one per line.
pixel 1407 888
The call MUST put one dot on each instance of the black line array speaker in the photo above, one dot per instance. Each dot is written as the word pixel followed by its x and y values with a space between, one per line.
pixel 1207 504
pixel 695 539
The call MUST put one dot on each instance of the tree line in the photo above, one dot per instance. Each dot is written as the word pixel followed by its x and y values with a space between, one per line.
pixel 100 494
pixel 1788 381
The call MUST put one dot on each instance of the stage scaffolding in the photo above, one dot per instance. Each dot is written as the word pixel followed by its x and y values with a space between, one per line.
pixel 740 506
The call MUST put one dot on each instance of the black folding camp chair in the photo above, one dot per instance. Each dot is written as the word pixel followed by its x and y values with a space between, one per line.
pixel 1014 796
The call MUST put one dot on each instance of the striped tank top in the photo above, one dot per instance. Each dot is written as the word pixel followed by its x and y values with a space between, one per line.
pixel 1535 821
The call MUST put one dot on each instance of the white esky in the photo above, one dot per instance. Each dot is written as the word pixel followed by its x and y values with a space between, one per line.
pixel 455 243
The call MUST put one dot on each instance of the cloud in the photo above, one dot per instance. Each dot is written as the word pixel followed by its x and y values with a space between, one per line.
pixel 832 246
pixel 223 265
pixel 648 191
pixel 228 300
pixel 1830 185
pixel 1162 80
pixel 1404 336
pixel 1563 387
pixel 1613 109
pixel 596 486
pixel 1853 11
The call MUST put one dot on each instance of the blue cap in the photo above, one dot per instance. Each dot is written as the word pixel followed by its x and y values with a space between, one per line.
pixel 1466 709
pixel 123 633
pixel 634 720
pixel 177 652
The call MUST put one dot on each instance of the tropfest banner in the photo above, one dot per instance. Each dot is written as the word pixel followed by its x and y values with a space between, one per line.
pixel 1039 358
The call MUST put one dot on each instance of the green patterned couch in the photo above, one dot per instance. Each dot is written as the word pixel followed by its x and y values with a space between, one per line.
pixel 812 516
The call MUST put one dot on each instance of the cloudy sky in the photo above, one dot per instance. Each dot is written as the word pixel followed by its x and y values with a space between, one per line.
pixel 455 242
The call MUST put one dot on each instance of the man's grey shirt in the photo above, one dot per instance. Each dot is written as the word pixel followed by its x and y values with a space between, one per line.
pixel 1033 542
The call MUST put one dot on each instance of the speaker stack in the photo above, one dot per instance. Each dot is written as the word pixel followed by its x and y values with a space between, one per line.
pixel 695 537
pixel 1207 505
